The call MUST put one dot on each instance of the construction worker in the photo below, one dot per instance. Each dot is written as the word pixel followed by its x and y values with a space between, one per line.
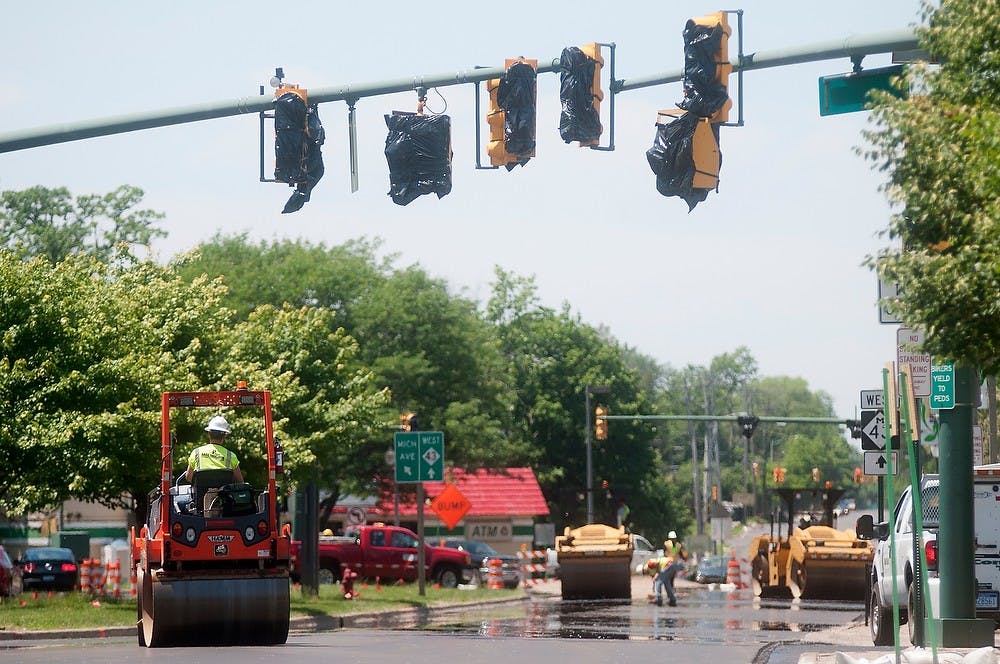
pixel 213 456
pixel 673 547
pixel 667 565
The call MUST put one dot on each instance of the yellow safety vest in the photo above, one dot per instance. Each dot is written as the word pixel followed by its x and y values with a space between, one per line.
pixel 212 457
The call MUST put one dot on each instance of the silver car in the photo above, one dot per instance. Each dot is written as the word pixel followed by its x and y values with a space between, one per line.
pixel 642 552
pixel 481 554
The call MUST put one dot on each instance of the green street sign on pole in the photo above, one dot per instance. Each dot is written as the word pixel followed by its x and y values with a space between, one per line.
pixel 419 456
pixel 943 385
pixel 848 93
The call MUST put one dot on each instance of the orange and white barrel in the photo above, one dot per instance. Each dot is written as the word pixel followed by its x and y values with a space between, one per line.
pixel 495 576
pixel 98 576
pixel 733 572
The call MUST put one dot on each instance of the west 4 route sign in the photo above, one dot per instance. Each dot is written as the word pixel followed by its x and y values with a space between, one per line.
pixel 419 456
pixel 873 430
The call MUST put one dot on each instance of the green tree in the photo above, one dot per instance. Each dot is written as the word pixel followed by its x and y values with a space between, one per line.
pixel 88 347
pixel 86 350
pixel 554 356
pixel 430 348
pixel 49 222
pixel 940 150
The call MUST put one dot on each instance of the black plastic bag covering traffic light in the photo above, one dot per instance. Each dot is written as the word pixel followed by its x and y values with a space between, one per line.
pixel 516 96
pixel 671 159
pixel 290 139
pixel 579 120
pixel 418 150
pixel 703 95
pixel 299 135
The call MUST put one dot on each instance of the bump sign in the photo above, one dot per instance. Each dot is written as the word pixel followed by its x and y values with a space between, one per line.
pixel 419 456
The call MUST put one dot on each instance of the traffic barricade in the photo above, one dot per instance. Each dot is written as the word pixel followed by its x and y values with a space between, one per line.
pixel 532 567
pixel 85 576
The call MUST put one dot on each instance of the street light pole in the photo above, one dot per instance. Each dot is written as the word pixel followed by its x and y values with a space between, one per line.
pixel 587 391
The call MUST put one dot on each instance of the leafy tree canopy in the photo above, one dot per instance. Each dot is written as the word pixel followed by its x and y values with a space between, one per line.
pixel 52 223
pixel 940 150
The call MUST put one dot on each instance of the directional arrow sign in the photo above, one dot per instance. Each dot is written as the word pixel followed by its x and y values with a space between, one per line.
pixel 877 463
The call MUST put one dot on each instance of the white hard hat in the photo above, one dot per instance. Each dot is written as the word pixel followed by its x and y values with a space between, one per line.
pixel 672 535
pixel 218 424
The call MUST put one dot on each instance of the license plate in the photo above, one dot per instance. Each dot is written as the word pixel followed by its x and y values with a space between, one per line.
pixel 988 600
pixel 49 577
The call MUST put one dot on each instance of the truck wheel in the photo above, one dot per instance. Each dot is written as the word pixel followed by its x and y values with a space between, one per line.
pixel 448 578
pixel 327 576
pixel 879 620
pixel 760 576
pixel 911 614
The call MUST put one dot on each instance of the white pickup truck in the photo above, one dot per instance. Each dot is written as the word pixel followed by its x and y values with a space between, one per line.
pixel 986 525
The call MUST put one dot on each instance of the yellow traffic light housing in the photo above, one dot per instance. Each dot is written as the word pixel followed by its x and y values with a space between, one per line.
pixel 407 421
pixel 601 424
pixel 593 51
pixel 511 117
pixel 717 21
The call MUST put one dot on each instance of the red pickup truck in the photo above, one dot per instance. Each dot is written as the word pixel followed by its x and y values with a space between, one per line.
pixel 386 553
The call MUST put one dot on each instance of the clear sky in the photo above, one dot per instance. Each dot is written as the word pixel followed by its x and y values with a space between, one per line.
pixel 772 262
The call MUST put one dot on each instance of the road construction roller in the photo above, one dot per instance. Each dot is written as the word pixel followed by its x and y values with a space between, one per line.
pixel 814 560
pixel 211 566
pixel 594 562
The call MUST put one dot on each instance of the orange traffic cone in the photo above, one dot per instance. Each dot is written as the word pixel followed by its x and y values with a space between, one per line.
pixel 733 572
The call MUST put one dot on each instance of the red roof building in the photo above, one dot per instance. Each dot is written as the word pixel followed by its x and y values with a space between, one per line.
pixel 504 508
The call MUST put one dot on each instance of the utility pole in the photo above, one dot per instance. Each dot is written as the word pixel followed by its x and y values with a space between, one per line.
pixel 958 625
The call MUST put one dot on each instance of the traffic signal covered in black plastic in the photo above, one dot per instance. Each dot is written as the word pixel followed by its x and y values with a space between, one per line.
pixel 685 155
pixel 512 115
pixel 418 151
pixel 298 135
pixel 581 94
pixel 601 424
pixel 707 68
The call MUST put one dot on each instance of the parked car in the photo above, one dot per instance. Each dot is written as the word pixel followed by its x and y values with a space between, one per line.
pixel 10 576
pixel 711 569
pixel 642 552
pixel 481 554
pixel 49 567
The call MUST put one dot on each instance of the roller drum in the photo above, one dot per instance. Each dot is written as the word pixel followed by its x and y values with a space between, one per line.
pixel 214 611
pixel 595 578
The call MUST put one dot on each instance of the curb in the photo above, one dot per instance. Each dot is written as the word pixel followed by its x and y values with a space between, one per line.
pixel 395 618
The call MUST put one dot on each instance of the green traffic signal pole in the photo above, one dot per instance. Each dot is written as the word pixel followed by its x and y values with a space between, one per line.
pixel 852 47
pixel 736 418
pixel 958 625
